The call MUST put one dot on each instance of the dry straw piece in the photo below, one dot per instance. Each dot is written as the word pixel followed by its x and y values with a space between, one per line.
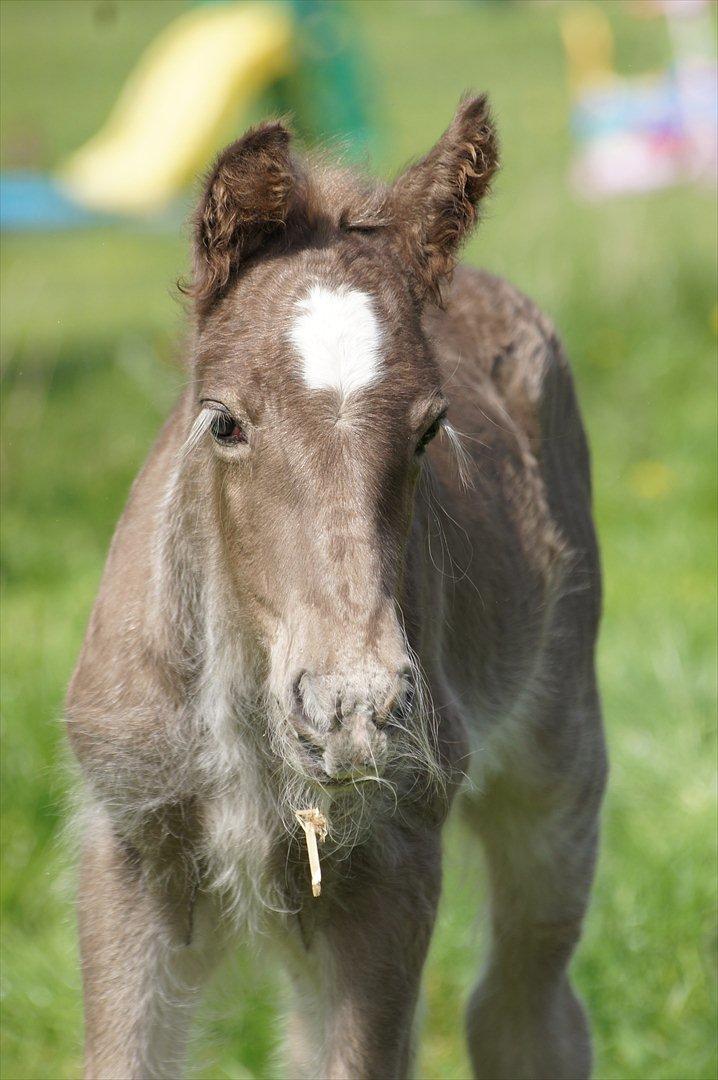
pixel 315 825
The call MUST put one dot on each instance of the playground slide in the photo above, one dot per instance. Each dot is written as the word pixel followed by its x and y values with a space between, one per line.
pixel 172 110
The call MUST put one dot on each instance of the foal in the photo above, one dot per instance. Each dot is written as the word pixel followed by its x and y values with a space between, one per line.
pixel 306 607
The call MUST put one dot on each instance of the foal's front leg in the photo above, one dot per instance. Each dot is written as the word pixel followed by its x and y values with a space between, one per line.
pixel 358 980
pixel 143 963
pixel 525 1021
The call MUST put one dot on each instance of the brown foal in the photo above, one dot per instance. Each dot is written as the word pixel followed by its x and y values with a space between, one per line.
pixel 313 604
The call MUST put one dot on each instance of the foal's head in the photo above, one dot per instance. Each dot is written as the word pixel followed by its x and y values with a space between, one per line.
pixel 316 398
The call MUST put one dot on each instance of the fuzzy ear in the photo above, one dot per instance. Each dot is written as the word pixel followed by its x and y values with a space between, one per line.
pixel 247 197
pixel 434 203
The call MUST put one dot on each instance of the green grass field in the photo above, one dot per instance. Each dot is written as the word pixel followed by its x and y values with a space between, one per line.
pixel 91 332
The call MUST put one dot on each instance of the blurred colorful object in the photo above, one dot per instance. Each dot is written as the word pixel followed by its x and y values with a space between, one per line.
pixel 327 86
pixel 176 104
pixel 641 133
pixel 206 65
pixel 30 201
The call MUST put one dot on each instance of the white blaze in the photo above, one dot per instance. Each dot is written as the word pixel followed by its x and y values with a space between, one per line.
pixel 337 336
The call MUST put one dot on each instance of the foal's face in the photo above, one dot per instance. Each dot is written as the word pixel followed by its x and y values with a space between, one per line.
pixel 321 396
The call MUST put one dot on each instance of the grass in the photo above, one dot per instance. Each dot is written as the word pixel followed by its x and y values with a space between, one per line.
pixel 90 334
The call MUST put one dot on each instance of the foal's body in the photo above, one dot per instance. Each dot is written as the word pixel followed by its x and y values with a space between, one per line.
pixel 497 589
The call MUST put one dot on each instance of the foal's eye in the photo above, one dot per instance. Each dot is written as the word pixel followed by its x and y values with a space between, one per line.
pixel 428 435
pixel 225 429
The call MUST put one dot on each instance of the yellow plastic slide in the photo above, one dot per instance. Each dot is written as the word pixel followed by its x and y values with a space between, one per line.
pixel 173 108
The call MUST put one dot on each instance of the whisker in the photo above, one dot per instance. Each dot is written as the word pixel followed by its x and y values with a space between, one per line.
pixel 464 461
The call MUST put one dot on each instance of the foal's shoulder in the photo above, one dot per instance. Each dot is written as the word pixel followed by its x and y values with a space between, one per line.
pixel 503 340
pixel 508 351
pixel 496 315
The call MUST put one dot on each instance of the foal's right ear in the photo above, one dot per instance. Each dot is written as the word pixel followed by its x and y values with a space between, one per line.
pixel 246 199
pixel 435 203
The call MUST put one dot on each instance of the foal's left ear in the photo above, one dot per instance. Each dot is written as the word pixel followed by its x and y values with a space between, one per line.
pixel 434 204
pixel 247 198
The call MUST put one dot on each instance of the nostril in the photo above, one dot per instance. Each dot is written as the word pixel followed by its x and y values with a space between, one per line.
pixel 297 696
pixel 311 745
pixel 308 709
pixel 400 701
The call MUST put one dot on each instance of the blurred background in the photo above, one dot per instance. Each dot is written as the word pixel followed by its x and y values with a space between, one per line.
pixel 604 213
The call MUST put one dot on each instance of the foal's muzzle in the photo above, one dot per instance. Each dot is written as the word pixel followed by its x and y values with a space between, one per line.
pixel 341 722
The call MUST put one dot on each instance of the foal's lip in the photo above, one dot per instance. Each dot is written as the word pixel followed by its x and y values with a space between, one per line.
pixel 332 781
pixel 337 783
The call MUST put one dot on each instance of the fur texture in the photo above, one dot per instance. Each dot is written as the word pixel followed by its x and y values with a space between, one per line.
pixel 338 339
pixel 309 603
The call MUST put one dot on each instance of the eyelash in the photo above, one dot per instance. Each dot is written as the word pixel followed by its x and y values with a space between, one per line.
pixel 431 432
